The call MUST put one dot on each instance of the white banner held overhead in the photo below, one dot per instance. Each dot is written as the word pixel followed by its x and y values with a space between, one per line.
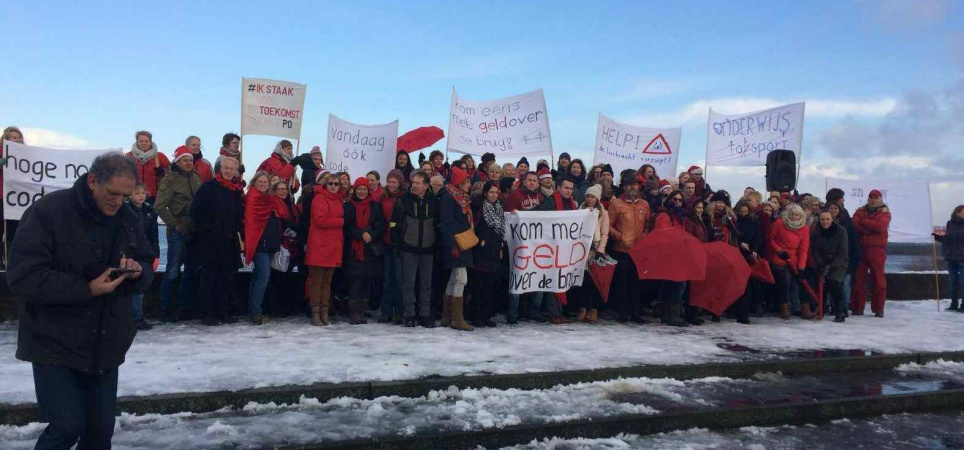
pixel 746 139
pixel 548 250
pixel 508 127
pixel 624 146
pixel 358 149
pixel 272 108
pixel 32 172
pixel 908 201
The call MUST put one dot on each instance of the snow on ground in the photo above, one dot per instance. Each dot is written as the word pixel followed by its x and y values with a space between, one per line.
pixel 265 425
pixel 893 432
pixel 948 370
pixel 191 358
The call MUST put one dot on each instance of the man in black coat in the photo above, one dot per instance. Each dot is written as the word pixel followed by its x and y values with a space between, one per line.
pixel 75 317
pixel 218 211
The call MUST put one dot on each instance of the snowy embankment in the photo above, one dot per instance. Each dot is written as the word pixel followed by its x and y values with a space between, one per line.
pixel 191 358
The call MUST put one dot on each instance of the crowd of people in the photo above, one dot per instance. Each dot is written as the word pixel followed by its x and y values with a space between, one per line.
pixel 426 240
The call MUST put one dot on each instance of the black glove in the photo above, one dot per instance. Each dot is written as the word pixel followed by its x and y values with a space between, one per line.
pixel 159 171
pixel 784 256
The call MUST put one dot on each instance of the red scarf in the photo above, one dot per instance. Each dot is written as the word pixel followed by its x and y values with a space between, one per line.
pixel 230 184
pixel 463 200
pixel 363 214
pixel 557 197
pixel 258 208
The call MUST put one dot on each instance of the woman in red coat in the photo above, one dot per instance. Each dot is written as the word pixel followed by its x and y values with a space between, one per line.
pixel 279 163
pixel 151 164
pixel 790 241
pixel 325 243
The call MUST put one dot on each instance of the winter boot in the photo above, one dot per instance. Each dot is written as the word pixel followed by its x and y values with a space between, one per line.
pixel 693 316
pixel 458 320
pixel 672 315
pixel 879 314
pixel 805 311
pixel 582 315
pixel 593 316
pixel 785 311
pixel 954 306
pixel 356 309
pixel 316 316
pixel 446 310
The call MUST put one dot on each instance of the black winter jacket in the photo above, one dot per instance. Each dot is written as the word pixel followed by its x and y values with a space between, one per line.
pixel 376 227
pixel 413 223
pixel 63 243
pixel 148 217
pixel 953 241
pixel 750 233
pixel 218 213
pixel 829 250
pixel 489 253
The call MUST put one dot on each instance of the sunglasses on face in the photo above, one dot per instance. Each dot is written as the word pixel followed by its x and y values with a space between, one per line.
pixel 333 183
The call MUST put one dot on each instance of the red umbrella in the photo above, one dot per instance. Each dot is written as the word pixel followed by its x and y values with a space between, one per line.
pixel 419 138
pixel 669 254
pixel 602 276
pixel 761 271
pixel 726 276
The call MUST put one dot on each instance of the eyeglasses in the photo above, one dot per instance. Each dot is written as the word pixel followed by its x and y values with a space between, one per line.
pixel 333 183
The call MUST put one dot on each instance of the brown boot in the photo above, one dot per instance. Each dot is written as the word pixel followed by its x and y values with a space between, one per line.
pixel 356 308
pixel 458 320
pixel 446 310
pixel 582 315
pixel 316 316
pixel 785 311
pixel 323 315
pixel 805 311
pixel 879 314
pixel 593 316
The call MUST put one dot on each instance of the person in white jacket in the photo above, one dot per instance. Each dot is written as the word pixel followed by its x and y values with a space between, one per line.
pixel 587 297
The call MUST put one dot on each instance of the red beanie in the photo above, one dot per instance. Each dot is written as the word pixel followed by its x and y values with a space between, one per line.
pixel 544 173
pixel 692 168
pixel 663 183
pixel 874 193
pixel 181 152
pixel 458 176
pixel 361 181
pixel 315 149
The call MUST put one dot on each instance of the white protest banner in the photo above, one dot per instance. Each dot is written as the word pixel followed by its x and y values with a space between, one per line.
pixel 909 203
pixel 624 146
pixel 548 250
pixel 32 172
pixel 358 149
pixel 746 139
pixel 508 127
pixel 272 108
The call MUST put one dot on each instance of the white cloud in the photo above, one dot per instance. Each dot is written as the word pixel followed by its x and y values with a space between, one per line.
pixel 647 89
pixel 698 111
pixel 40 137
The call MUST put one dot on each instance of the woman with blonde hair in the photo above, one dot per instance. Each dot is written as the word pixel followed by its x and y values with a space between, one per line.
pixel 790 243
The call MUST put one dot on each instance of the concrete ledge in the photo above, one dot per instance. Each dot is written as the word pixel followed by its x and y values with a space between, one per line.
pixel 770 415
pixel 212 401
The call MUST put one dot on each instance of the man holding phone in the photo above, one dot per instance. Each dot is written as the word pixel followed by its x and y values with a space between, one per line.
pixel 74 265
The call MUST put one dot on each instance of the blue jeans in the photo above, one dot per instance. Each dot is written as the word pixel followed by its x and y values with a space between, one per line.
pixel 259 281
pixel 847 285
pixel 512 311
pixel 137 306
pixel 392 289
pixel 956 271
pixel 76 406
pixel 179 252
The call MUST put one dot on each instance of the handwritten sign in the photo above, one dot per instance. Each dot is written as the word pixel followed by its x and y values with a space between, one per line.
pixel 624 146
pixel 32 172
pixel 272 108
pixel 908 201
pixel 548 250
pixel 512 126
pixel 746 139
pixel 358 149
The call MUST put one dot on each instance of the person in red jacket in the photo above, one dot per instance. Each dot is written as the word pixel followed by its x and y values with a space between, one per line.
pixel 279 163
pixel 528 196
pixel 790 242
pixel 151 164
pixel 325 243
pixel 202 166
pixel 871 222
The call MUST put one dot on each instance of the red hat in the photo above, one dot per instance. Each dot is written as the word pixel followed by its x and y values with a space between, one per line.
pixel 458 176
pixel 544 173
pixel 315 149
pixel 663 183
pixel 874 193
pixel 181 152
pixel 361 181
pixel 692 168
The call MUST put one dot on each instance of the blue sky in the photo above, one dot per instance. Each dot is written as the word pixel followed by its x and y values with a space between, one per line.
pixel 876 74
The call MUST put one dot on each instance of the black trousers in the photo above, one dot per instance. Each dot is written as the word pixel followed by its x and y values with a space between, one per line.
pixel 76 406
pixel 624 291
pixel 586 296
pixel 484 285
pixel 834 289
pixel 217 281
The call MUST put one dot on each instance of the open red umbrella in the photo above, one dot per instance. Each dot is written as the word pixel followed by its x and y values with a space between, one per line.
pixel 602 276
pixel 669 254
pixel 726 276
pixel 419 138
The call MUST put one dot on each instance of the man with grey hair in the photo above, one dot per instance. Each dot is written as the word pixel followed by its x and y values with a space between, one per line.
pixel 438 182
pixel 74 265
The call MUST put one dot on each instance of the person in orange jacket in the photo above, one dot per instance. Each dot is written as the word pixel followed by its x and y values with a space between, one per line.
pixel 629 220
pixel 871 222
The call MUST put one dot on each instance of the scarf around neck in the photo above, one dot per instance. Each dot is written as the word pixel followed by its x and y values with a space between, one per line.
pixel 462 199
pixel 230 184
pixel 280 152
pixel 143 156
pixel 494 216
pixel 363 214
